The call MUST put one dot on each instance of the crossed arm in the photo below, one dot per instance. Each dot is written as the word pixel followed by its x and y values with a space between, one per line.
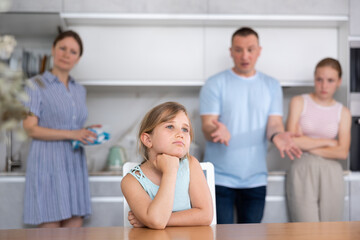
pixel 328 148
pixel 157 213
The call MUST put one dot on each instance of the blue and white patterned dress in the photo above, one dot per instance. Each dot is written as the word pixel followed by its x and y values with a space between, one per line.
pixel 57 186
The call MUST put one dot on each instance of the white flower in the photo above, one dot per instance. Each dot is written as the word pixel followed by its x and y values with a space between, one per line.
pixel 7 45
pixel 12 93
pixel 5 5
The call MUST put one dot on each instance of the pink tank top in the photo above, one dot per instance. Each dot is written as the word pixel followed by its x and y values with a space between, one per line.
pixel 317 121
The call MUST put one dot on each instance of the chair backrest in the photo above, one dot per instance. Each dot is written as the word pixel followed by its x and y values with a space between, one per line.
pixel 126 168
pixel 208 169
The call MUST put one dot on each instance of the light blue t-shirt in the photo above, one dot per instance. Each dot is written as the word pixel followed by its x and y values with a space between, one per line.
pixel 182 197
pixel 243 105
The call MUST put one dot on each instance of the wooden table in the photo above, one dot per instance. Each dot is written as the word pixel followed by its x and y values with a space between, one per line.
pixel 278 231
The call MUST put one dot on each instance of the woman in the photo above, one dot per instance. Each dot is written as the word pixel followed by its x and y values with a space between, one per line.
pixel 57 189
pixel 315 182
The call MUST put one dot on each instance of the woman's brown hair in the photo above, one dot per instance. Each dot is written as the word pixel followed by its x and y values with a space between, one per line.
pixel 330 62
pixel 72 34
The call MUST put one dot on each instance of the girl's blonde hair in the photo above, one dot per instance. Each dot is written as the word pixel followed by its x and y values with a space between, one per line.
pixel 159 114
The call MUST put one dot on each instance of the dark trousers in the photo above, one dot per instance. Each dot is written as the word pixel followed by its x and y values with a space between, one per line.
pixel 249 202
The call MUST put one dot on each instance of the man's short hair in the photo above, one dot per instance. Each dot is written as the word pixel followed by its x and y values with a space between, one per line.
pixel 244 32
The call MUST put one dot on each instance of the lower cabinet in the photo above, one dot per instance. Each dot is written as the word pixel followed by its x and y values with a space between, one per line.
pixel 107 201
pixel 355 197
pixel 11 202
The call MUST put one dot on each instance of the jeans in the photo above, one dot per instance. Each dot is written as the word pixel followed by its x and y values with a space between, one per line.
pixel 249 202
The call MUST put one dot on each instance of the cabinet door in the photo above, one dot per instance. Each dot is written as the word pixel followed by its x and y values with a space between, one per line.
pixel 288 54
pixel 35 6
pixel 11 203
pixel 139 6
pixel 106 202
pixel 140 54
pixel 311 7
pixel 105 214
pixel 275 206
pixel 355 199
pixel 354 17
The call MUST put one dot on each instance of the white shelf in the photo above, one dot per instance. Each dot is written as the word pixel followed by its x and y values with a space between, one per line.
pixel 195 83
pixel 354 38
pixel 309 83
pixel 202 19
pixel 142 83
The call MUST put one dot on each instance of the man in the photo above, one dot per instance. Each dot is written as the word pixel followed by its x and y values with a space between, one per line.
pixel 241 109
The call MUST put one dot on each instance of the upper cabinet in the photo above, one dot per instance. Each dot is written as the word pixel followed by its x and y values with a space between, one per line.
pixel 354 18
pixel 30 24
pixel 308 7
pixel 36 18
pixel 187 56
pixel 183 42
pixel 311 7
pixel 138 6
pixel 35 6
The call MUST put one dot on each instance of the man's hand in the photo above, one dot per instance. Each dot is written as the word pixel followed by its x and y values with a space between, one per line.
pixel 285 144
pixel 221 134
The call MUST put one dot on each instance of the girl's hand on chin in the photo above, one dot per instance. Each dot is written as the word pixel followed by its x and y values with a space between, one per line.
pixel 166 163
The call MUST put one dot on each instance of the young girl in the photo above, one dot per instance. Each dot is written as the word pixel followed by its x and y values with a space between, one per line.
pixel 169 188
pixel 315 183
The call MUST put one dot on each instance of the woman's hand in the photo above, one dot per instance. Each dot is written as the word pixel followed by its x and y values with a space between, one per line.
pixel 166 163
pixel 83 135
pixel 134 221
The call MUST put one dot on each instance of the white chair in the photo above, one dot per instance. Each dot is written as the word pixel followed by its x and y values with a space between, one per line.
pixel 208 169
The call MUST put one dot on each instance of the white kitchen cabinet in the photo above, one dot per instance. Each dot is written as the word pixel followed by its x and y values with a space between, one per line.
pixel 140 54
pixel 140 6
pixel 187 49
pixel 315 7
pixel 30 25
pixel 38 6
pixel 355 196
pixel 12 190
pixel 106 202
pixel 354 20
pixel 288 54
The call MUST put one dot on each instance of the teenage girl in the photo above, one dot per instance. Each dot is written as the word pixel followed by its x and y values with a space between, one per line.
pixel 315 183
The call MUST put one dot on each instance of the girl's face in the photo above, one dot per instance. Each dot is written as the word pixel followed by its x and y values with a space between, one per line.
pixel 326 82
pixel 171 138
pixel 66 53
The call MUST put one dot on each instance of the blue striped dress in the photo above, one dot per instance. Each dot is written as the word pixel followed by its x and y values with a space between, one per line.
pixel 57 186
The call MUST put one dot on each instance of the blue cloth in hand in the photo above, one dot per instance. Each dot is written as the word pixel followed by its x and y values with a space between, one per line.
pixel 101 138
